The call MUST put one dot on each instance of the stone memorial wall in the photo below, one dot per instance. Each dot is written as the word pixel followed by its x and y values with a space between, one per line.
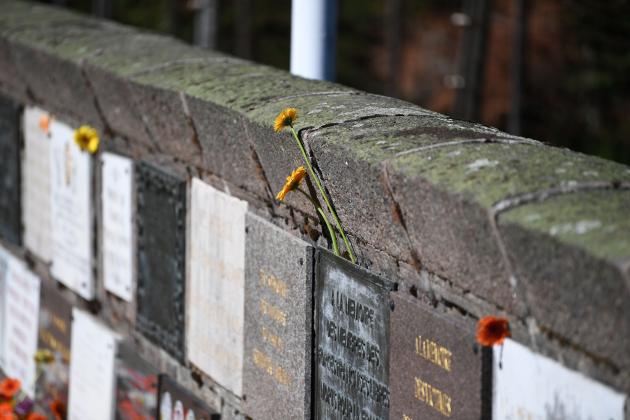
pixel 168 281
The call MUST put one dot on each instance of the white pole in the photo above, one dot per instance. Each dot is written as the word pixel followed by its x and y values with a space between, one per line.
pixel 313 38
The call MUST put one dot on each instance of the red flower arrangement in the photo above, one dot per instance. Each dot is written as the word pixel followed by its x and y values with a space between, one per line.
pixel 492 330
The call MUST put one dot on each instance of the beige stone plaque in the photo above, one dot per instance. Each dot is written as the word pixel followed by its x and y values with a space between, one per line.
pixel 215 290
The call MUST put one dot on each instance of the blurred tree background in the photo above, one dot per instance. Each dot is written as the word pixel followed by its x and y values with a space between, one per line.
pixel 554 70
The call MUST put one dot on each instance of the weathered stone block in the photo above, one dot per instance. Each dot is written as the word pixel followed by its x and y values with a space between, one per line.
pixel 567 252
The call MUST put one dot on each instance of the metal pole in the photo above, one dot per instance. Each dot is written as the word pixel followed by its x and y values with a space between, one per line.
pixel 472 60
pixel 313 38
pixel 102 8
pixel 393 40
pixel 243 28
pixel 518 53
pixel 205 34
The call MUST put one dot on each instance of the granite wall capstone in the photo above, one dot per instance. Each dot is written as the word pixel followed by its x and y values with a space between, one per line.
pixel 464 217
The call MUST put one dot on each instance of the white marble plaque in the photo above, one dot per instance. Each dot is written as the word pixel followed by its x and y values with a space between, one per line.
pixel 117 246
pixel 215 293
pixel 21 316
pixel 71 212
pixel 36 184
pixel 92 379
pixel 528 386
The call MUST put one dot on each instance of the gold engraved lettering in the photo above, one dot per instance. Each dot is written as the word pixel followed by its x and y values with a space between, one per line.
pixel 273 312
pixel 434 353
pixel 60 324
pixel 274 283
pixel 272 338
pixel 265 363
pixel 433 397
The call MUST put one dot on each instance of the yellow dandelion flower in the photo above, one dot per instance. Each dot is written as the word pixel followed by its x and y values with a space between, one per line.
pixel 285 119
pixel 44 356
pixel 86 138
pixel 293 181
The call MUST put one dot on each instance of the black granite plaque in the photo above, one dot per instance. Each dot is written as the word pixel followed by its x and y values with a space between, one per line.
pixel 278 322
pixel 177 403
pixel 55 326
pixel 352 341
pixel 10 208
pixel 435 366
pixel 161 221
pixel 136 385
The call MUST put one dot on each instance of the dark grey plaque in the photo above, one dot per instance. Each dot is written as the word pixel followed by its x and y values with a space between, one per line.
pixel 161 221
pixel 352 341
pixel 278 319
pixel 178 401
pixel 10 208
pixel 435 365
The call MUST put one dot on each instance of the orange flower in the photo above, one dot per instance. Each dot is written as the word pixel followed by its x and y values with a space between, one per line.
pixel 293 181
pixel 58 408
pixel 44 123
pixel 6 411
pixel 285 119
pixel 9 387
pixel 36 416
pixel 492 330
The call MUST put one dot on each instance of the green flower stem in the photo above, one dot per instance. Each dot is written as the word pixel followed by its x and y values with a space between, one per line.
pixel 324 195
pixel 331 230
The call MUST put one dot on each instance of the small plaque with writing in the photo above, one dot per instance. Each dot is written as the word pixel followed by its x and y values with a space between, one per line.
pixel 435 368
pixel 71 192
pixel 21 319
pixel 55 326
pixel 216 284
pixel 10 213
pixel 136 385
pixel 91 369
pixel 117 199
pixel 527 385
pixel 36 184
pixel 161 219
pixel 278 307
pixel 352 339
pixel 177 403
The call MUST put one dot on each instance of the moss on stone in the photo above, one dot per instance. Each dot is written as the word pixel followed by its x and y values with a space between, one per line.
pixel 596 221
pixel 488 173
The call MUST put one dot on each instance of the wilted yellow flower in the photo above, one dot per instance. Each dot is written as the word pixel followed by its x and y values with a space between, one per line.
pixel 285 119
pixel 86 138
pixel 293 181
pixel 44 356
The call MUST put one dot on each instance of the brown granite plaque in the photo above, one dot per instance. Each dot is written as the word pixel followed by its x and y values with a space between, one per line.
pixel 435 365
pixel 55 325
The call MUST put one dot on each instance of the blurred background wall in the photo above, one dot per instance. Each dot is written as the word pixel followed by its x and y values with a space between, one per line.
pixel 554 70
